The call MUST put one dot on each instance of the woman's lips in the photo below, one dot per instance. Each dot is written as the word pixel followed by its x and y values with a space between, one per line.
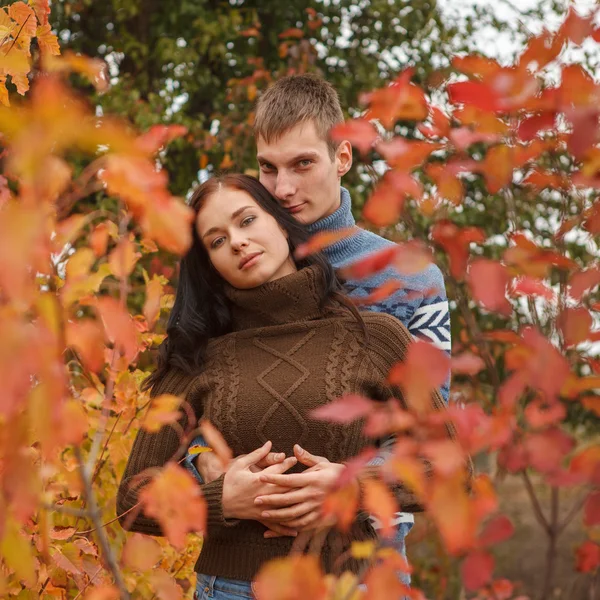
pixel 250 260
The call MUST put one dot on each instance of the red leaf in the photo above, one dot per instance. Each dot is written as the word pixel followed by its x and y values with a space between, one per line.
pixel 474 93
pixel 342 504
pixel 546 450
pixel 158 136
pixel 496 531
pixel 385 290
pixel 344 410
pixel 530 286
pixel 591 510
pixel 588 557
pixel 583 281
pixel 293 32
pixel 577 28
pixel 406 155
pixel 379 502
pixel 385 205
pixel 476 570
pixel 575 325
pixel 529 128
pixel 424 369
pixel 488 280
pixel 359 132
pixel 322 240
pixel 463 137
pixel 467 364
pixel 541 414
pixel 456 241
pixel 477 65
pixel 542 49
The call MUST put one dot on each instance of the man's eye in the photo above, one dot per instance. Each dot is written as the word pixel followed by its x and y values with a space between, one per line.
pixel 267 167
pixel 217 242
pixel 306 162
pixel 247 221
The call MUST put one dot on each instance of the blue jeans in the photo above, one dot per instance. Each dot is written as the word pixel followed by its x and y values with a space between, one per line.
pixel 219 588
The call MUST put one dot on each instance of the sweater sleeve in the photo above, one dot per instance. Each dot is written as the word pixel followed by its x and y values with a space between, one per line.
pixel 151 450
pixel 388 344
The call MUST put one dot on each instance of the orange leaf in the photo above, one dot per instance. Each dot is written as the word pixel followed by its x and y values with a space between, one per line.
pixel 446 456
pixel 463 137
pixel 530 286
pixel 385 204
pixel 424 369
pixel 296 577
pixel 47 41
pixel 342 504
pixel 547 449
pixel 542 49
pixel 540 179
pixel 164 585
pixel 103 592
pixel 385 290
pixel 217 442
pixel 497 168
pixel 344 410
pixel 586 464
pixel 173 497
pixel 382 582
pixel 577 28
pixel 87 337
pixel 141 552
pixel 406 155
pixel 158 136
pixel 583 281
pixel 474 93
pixel 164 409
pixel 479 66
pixel 154 293
pixel 119 326
pixel 359 132
pixel 294 32
pixel 123 258
pixel 99 239
pixel 476 570
pixel 322 240
pixel 379 502
pixel 94 69
pixel 488 280
pixel 456 241
pixel 540 414
pixel 467 364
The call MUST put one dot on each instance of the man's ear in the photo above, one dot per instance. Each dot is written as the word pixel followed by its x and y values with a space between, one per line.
pixel 343 158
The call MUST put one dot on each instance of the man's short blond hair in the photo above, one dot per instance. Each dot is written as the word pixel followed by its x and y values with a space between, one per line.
pixel 298 99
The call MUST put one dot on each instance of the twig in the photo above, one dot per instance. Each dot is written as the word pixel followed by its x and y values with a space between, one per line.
pixel 553 537
pixel 97 470
pixel 577 506
pixel 88 583
pixel 107 550
pixel 68 510
pixel 537 509
pixel 18 34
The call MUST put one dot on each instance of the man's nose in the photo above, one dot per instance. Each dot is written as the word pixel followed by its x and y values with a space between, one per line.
pixel 284 188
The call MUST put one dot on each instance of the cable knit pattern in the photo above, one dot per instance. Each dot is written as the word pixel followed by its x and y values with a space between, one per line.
pixel 292 356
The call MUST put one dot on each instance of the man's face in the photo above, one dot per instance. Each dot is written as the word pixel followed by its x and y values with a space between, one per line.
pixel 298 170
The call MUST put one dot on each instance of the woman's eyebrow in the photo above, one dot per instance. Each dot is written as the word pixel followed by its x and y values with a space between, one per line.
pixel 234 214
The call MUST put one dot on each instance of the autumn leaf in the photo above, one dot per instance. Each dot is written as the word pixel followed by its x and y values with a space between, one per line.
pixel 322 240
pixel 406 155
pixel 294 32
pixel 86 336
pixel 47 41
pixel 164 585
pixel 158 136
pixel 547 449
pixel 344 410
pixel 583 282
pixel 341 505
pixel 359 132
pixel 497 168
pixel 587 557
pixel 378 501
pixel 475 93
pixel 140 552
pixel 445 456
pixel 476 65
pixel 217 442
pixel 123 258
pixel 529 128
pixel 164 409
pixel 591 510
pixel 496 531
pixel 152 304
pixel 93 69
pixel 476 570
pixel 382 582
pixel 586 464
pixel 295 577
pixel 488 280
pixel 575 27
pixel 575 325
pixel 542 49
pixel 173 497
pixel 424 369
pixel 467 364
pixel 456 241
pixel 530 286
pixel 118 326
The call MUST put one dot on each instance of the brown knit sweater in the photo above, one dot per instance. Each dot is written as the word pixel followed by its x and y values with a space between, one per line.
pixel 286 357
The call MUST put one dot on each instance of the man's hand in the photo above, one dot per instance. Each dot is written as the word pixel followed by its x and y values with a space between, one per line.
pixel 300 507
pixel 210 468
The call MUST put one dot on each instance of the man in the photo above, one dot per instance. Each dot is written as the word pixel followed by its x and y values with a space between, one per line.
pixel 303 168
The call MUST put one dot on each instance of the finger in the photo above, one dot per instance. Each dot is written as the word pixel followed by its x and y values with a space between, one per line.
pixel 308 521
pixel 272 458
pixel 291 512
pixel 278 530
pixel 290 481
pixel 281 467
pixel 251 459
pixel 288 498
pixel 306 458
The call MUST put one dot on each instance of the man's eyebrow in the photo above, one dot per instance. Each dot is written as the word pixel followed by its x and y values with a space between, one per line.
pixel 294 159
pixel 234 214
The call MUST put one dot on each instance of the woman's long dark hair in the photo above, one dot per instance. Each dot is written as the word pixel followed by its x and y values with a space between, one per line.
pixel 201 311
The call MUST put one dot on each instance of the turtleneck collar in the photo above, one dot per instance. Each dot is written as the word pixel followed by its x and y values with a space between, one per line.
pixel 346 250
pixel 292 298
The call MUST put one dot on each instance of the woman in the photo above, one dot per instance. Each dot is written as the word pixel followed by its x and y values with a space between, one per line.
pixel 256 341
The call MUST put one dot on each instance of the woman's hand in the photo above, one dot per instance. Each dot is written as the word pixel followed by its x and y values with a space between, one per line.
pixel 241 485
pixel 299 506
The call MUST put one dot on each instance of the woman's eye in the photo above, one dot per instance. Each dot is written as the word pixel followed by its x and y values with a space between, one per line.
pixel 217 242
pixel 247 221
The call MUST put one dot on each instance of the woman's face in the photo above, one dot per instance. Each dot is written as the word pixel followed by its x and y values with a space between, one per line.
pixel 245 244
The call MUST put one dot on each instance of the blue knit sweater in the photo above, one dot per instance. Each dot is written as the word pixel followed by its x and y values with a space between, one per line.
pixel 425 316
